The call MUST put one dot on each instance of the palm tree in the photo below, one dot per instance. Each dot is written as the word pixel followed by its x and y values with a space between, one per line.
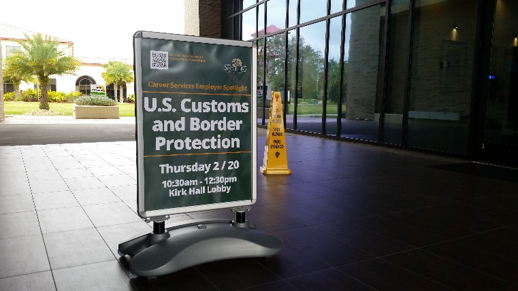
pixel 2 111
pixel 41 57
pixel 117 73
pixel 16 77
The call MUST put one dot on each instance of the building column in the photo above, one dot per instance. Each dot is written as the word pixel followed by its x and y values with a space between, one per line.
pixel 203 18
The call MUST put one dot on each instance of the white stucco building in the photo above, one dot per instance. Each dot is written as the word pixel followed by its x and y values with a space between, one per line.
pixel 88 73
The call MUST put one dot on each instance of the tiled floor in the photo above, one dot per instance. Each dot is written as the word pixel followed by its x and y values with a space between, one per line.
pixel 350 217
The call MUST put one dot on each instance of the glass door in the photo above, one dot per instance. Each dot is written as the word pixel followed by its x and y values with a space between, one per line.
pixel 500 141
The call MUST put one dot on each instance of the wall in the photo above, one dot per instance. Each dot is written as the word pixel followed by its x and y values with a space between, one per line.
pixel 362 69
pixel 192 19
pixel 203 18
pixel 442 60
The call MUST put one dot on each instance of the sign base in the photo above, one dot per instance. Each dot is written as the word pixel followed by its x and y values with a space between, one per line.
pixel 196 243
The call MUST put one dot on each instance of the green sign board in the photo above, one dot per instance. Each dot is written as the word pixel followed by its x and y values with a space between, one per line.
pixel 196 128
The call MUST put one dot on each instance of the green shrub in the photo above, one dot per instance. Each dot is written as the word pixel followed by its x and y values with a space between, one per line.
pixel 29 95
pixel 72 96
pixel 54 96
pixel 95 101
pixel 131 98
pixel 9 96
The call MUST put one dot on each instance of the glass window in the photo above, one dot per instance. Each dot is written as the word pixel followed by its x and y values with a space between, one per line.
pixel 11 50
pixel 83 84
pixel 397 64
pixel 248 3
pixel 260 19
pixel 440 82
pixel 291 58
pixel 8 87
pixel 310 82
pixel 249 29
pixel 345 68
pixel 275 62
pixel 121 89
pixel 364 42
pixel 52 85
pixel 276 13
pixel 336 6
pixel 352 3
pixel 262 91
pixel 333 75
pixel 312 9
pixel 502 104
pixel 270 74
pixel 292 13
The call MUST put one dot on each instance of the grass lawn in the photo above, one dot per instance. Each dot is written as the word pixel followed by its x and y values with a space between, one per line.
pixel 308 108
pixel 20 108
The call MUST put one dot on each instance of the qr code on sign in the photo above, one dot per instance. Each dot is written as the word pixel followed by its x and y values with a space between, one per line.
pixel 159 60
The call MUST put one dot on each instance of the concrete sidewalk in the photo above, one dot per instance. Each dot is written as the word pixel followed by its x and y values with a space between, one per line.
pixel 33 130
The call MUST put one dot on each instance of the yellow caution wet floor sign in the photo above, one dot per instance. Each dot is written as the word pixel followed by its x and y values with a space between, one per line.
pixel 275 154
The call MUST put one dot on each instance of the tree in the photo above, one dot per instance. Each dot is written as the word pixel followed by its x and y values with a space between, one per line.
pixel 16 77
pixel 333 80
pixel 41 57
pixel 275 62
pixel 2 111
pixel 311 67
pixel 117 73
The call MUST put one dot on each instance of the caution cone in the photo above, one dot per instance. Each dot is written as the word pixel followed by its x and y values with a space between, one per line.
pixel 275 159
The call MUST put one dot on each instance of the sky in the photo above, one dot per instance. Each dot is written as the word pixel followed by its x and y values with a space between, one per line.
pixel 98 28
pixel 314 35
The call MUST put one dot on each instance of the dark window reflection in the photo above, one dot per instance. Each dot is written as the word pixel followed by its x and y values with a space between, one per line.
pixel 364 41
pixel 440 85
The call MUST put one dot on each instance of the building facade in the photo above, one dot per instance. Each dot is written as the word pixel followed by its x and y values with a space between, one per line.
pixel 431 75
pixel 89 73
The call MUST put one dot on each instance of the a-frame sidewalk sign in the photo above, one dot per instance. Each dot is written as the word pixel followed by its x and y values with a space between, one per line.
pixel 196 151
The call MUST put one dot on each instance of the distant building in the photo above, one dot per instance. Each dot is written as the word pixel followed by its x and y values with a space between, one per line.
pixel 87 74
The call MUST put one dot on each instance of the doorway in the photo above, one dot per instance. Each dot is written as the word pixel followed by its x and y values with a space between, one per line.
pixel 499 141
